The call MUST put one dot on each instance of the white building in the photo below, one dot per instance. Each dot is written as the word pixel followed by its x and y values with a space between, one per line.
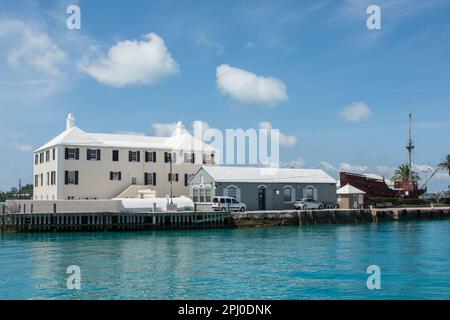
pixel 81 165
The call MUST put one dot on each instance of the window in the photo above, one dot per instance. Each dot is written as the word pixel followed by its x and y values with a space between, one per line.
pixel 208 158
pixel 174 177
pixel 150 179
pixel 115 155
pixel 189 158
pixel 134 156
pixel 170 157
pixel 48 178
pixel 47 156
pixel 115 176
pixel 93 154
pixel 42 179
pixel 310 193
pixel 232 191
pixel 195 194
pixel 36 180
pixel 288 194
pixel 54 154
pixel 53 178
pixel 72 153
pixel 207 194
pixel 71 177
pixel 133 180
pixel 150 156
pixel 41 157
pixel 36 159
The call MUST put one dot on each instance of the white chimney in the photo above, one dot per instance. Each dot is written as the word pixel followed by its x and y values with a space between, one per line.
pixel 70 121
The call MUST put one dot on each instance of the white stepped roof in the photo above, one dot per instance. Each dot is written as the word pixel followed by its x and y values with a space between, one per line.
pixel 268 175
pixel 77 137
pixel 349 189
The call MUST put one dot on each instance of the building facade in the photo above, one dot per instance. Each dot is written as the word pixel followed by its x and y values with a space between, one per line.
pixel 77 165
pixel 262 188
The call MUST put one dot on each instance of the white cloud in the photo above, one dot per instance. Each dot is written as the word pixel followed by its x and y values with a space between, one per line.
pixel 287 141
pixel 22 147
pixel 385 171
pixel 296 163
pixel 164 129
pixel 132 62
pixel 356 112
pixel 328 166
pixel 353 168
pixel 247 87
pixel 31 48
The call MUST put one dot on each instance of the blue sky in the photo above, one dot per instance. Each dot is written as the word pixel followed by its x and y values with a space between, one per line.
pixel 318 56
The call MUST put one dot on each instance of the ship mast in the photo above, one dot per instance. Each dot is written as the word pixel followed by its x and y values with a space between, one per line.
pixel 410 147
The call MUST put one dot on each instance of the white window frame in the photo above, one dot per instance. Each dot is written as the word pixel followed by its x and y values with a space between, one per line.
pixel 70 177
pixel 71 153
pixel 115 175
pixel 314 191
pixel 134 156
pixel 292 194
pixel 93 154
pixel 187 157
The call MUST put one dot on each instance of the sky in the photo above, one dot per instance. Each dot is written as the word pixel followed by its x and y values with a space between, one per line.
pixel 339 92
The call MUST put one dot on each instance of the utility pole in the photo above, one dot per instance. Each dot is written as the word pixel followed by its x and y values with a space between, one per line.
pixel 171 178
pixel 410 146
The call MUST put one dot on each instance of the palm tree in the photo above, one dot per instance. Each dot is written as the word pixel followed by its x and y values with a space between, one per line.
pixel 445 165
pixel 404 173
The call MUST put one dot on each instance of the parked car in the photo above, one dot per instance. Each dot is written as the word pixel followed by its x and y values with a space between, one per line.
pixel 306 204
pixel 227 203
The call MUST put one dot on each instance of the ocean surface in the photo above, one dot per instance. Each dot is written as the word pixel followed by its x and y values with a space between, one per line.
pixel 314 262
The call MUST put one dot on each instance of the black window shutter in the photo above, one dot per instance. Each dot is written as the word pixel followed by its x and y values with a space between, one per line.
pixel 88 154
pixel 110 175
pixel 193 157
pixel 154 156
pixel 169 177
pixel 76 177
pixel 154 178
pixel 145 178
pixel 146 156
pixel 77 153
pixel 185 179
pixel 176 177
pixel 138 156
pixel 120 175
pixel 166 158
pixel 129 156
pixel 66 153
pixel 66 177
pixel 98 154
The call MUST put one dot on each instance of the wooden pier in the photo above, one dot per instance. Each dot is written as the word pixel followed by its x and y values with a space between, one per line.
pixel 45 222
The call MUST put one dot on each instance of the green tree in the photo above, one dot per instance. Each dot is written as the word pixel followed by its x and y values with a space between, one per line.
pixel 445 165
pixel 404 173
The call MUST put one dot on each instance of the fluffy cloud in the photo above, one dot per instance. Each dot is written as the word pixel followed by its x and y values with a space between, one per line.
pixel 164 129
pixel 247 87
pixel 353 168
pixel 356 112
pixel 298 162
pixel 133 62
pixel 31 48
pixel 287 141
pixel 385 171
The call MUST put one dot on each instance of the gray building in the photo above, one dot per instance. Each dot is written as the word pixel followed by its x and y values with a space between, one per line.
pixel 262 188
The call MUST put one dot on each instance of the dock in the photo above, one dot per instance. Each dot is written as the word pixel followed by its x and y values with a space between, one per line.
pixel 114 221
pixel 49 222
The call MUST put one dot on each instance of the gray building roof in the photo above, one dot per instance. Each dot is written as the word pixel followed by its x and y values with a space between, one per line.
pixel 267 175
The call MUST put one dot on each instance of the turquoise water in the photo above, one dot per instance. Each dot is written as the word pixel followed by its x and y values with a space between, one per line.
pixel 315 262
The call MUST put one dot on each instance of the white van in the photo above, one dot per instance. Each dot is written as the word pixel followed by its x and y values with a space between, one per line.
pixel 225 203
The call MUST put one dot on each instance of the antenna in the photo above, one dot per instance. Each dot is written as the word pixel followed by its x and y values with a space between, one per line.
pixel 410 146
